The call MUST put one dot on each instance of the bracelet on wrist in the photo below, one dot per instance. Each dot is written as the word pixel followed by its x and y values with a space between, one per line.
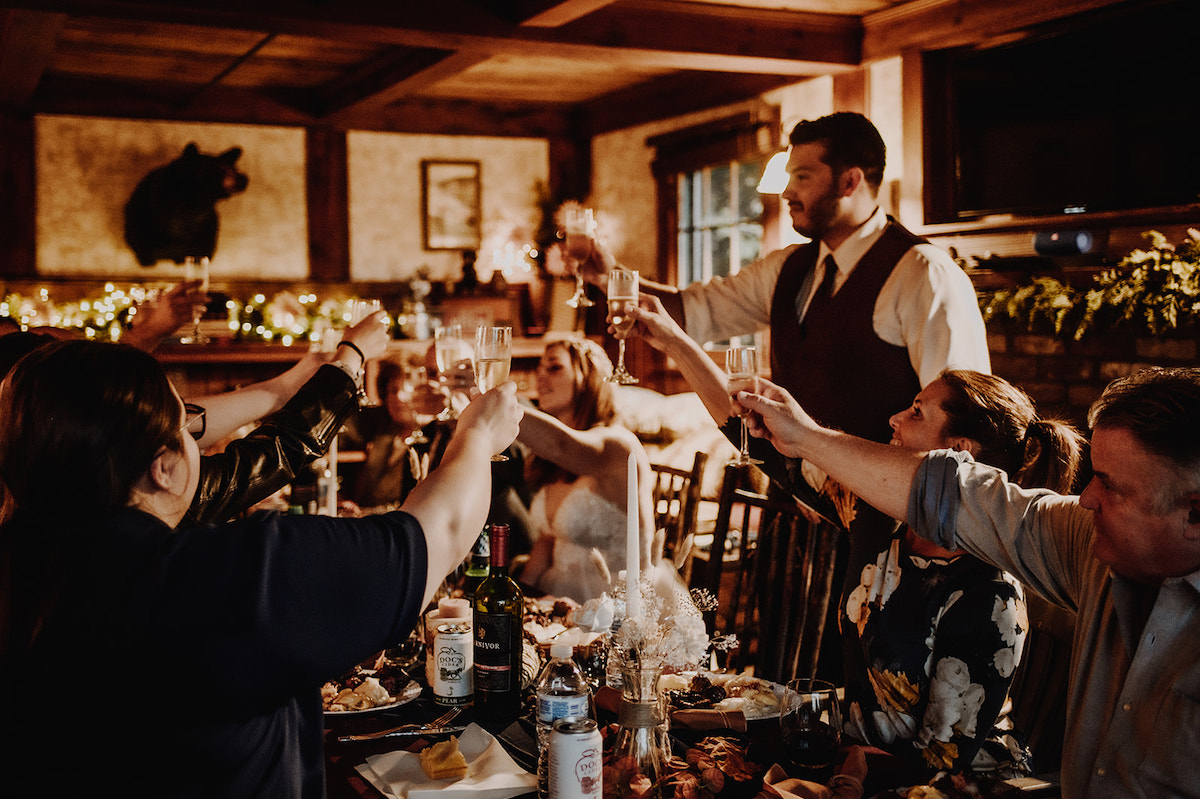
pixel 355 348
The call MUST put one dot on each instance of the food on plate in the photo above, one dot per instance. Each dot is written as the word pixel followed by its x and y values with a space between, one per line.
pixel 443 760
pixel 373 683
pixel 755 698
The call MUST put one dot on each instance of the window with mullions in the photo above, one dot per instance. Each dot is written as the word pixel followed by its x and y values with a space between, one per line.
pixel 720 220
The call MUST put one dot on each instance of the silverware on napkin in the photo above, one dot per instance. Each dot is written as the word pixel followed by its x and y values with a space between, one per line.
pixel 438 725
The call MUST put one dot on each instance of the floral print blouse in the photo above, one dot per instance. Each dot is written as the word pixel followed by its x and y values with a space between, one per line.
pixel 931 646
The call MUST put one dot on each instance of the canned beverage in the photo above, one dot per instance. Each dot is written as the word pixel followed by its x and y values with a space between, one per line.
pixel 452 656
pixel 575 759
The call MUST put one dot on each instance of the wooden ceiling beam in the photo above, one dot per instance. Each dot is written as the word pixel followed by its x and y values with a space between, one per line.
pixel 941 24
pixel 673 95
pixel 27 40
pixel 229 105
pixel 711 38
pixel 554 13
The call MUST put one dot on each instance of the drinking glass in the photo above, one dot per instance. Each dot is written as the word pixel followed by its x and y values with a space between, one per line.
pixel 452 355
pixel 741 368
pixel 361 309
pixel 493 356
pixel 622 299
pixel 196 269
pixel 579 226
pixel 810 723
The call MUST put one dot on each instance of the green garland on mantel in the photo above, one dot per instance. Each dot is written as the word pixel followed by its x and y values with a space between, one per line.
pixel 285 319
pixel 1155 290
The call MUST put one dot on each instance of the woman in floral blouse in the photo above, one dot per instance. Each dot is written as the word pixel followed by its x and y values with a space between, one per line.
pixel 931 636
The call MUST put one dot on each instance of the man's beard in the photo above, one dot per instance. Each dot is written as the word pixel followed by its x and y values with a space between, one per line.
pixel 820 216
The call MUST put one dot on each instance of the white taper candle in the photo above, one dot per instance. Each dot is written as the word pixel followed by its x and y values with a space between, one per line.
pixel 633 546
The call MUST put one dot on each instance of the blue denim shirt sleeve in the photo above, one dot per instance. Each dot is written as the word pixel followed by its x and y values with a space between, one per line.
pixel 934 500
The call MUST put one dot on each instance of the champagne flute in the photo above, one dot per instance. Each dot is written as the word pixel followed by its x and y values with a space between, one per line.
pixel 622 299
pixel 450 352
pixel 741 368
pixel 196 269
pixel 579 226
pixel 810 723
pixel 361 309
pixel 493 356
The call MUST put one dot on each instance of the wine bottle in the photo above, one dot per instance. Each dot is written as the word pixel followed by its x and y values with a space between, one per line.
pixel 477 564
pixel 498 612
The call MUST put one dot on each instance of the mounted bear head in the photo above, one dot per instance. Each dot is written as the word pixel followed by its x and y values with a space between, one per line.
pixel 172 214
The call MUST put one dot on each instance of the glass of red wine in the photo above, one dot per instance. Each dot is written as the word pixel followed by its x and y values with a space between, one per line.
pixel 810 723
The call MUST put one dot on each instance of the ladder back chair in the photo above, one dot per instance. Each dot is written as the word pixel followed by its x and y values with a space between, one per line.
pixel 676 504
pixel 774 594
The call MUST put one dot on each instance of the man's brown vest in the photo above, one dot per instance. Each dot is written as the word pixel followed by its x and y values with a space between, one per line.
pixel 834 363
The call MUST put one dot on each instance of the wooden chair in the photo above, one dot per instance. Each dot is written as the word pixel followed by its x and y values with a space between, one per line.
pixel 676 503
pixel 1039 688
pixel 774 592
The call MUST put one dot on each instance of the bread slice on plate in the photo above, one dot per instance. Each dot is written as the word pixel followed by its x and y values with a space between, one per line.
pixel 443 760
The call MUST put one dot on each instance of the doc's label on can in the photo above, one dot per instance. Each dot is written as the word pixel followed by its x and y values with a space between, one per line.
pixel 576 765
pixel 452 655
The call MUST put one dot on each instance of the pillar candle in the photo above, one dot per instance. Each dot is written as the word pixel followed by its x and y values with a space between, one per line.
pixel 633 546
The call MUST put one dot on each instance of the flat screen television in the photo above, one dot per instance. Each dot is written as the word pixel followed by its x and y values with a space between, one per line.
pixel 1096 114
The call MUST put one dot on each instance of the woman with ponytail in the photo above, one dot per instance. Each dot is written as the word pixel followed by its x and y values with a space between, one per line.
pixel 931 637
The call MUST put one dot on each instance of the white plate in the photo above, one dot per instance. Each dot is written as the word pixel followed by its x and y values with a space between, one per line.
pixel 411 691
pixel 756 712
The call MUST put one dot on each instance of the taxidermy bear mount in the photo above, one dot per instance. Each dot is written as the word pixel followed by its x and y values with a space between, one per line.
pixel 172 213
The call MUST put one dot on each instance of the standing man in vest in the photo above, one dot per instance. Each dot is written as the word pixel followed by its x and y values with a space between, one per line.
pixel 861 317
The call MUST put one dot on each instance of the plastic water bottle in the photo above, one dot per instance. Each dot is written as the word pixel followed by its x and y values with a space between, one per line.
pixel 562 693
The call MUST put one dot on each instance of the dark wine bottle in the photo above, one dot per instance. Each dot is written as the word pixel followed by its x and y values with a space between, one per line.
pixel 477 565
pixel 498 612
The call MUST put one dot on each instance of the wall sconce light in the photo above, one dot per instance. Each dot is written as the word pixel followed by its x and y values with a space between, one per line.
pixel 775 177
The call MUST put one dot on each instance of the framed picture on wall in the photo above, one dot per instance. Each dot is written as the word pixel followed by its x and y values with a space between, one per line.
pixel 450 205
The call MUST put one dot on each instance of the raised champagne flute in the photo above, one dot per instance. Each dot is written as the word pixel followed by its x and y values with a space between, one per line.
pixel 741 369
pixel 196 269
pixel 450 351
pixel 361 309
pixel 579 226
pixel 622 300
pixel 493 356
pixel 810 723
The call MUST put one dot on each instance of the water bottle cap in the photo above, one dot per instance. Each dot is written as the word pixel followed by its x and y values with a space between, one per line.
pixel 561 649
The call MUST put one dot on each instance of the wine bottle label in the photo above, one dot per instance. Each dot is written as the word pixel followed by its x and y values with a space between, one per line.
pixel 497 638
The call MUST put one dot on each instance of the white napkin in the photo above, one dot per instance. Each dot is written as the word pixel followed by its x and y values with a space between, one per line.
pixel 491 772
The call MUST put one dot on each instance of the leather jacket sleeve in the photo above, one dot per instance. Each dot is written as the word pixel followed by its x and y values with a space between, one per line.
pixel 269 457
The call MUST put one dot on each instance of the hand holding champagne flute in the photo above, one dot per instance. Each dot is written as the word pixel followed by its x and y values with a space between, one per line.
pixel 622 300
pixel 493 356
pixel 741 368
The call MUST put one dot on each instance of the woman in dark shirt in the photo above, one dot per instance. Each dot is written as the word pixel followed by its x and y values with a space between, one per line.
pixel 189 657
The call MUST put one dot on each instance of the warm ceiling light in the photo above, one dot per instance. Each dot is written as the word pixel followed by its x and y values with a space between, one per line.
pixel 775 176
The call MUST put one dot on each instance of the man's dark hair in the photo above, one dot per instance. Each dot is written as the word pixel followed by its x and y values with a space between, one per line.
pixel 850 140
pixel 1160 407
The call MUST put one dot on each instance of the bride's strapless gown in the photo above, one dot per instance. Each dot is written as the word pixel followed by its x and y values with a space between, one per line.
pixel 583 520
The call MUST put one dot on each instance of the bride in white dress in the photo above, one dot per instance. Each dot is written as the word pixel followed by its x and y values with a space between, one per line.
pixel 579 474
